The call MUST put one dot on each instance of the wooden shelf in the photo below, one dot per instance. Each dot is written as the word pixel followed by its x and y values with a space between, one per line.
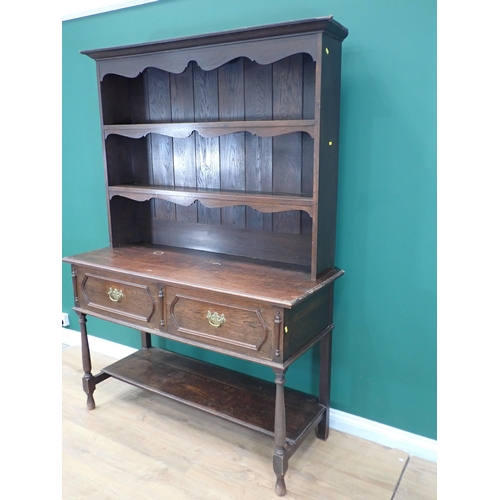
pixel 233 396
pixel 216 198
pixel 262 128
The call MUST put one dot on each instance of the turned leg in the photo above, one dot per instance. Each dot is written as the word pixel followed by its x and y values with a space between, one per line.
pixel 88 379
pixel 325 375
pixel 280 460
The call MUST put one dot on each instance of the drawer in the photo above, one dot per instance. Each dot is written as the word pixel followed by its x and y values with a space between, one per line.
pixel 221 321
pixel 125 299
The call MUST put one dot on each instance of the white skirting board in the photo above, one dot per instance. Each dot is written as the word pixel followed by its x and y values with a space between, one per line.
pixel 413 444
pixel 385 435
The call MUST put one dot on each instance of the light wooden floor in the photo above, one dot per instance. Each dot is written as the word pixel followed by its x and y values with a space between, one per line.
pixel 138 445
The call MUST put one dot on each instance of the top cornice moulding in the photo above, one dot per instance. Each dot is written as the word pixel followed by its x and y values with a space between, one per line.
pixel 315 25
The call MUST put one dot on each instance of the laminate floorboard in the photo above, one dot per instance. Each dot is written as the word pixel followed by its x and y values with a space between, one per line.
pixel 419 480
pixel 138 445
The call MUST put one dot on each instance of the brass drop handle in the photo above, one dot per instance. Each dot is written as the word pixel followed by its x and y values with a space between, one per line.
pixel 115 295
pixel 215 319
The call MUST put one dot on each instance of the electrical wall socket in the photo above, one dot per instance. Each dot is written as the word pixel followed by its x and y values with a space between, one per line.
pixel 65 319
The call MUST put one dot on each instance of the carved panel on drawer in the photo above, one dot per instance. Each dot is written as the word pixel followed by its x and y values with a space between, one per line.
pixel 235 325
pixel 123 298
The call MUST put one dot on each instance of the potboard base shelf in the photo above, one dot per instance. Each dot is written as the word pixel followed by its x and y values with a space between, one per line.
pixel 228 394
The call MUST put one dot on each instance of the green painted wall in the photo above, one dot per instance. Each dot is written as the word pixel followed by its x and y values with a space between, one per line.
pixel 384 361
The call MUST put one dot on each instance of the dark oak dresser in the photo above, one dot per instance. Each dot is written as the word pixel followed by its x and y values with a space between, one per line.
pixel 220 156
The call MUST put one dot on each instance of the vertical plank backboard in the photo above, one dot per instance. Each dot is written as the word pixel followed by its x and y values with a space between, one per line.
pixel 181 95
pixel 160 146
pixel 287 149
pixel 115 98
pixel 258 150
pixel 232 146
pixel 206 108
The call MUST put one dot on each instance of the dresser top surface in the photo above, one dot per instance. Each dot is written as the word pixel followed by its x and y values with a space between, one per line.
pixel 283 285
